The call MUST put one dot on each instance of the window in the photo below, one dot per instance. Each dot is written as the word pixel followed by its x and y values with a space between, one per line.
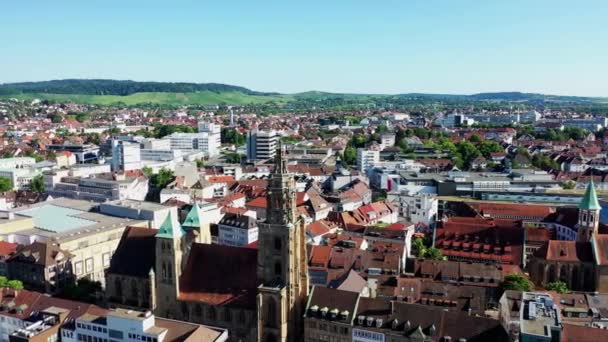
pixel 118 288
pixel 89 265
pixel 277 268
pixel 271 313
pixel 211 314
pixel 277 244
pixel 198 310
pixel 106 259
pixel 227 315
pixel 78 268
pixel 117 334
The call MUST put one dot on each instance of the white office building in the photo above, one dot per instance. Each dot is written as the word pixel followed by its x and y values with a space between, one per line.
pixel 214 131
pixel 126 156
pixel 416 207
pixel 367 159
pixel 192 142
pixel 262 145
pixel 13 163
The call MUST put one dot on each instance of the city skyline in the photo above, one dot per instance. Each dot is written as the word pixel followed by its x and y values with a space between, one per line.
pixel 414 47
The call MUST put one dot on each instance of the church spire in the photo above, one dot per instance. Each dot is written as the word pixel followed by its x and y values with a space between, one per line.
pixel 280 162
pixel 590 201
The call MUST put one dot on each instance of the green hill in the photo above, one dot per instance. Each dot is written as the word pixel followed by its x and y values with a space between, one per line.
pixel 108 92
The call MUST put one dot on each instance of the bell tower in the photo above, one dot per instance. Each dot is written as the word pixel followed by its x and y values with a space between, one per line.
pixel 169 253
pixel 282 267
pixel 588 215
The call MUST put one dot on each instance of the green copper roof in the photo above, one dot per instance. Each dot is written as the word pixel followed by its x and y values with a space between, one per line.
pixel 192 219
pixel 167 229
pixel 590 201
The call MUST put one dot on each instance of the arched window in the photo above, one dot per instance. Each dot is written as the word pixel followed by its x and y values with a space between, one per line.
pixel 575 278
pixel 271 313
pixel 169 271
pixel 211 314
pixel 118 287
pixel 198 310
pixel 134 290
pixel 277 244
pixel 277 268
pixel 227 315
pixel 563 274
pixel 185 310
pixel 552 276
pixel 164 272
pixel 242 317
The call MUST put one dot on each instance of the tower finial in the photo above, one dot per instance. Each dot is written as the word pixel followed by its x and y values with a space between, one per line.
pixel 280 163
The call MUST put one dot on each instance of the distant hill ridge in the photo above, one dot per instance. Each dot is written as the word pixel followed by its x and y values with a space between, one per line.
pixel 116 87
pixel 104 91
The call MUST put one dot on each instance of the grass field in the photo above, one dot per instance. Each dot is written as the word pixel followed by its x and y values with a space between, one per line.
pixel 174 99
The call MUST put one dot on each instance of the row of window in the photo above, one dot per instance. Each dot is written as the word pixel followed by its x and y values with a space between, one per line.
pixel 91 327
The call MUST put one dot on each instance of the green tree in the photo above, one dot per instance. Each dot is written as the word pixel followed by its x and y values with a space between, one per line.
pixel 15 284
pixel 475 138
pixel 433 253
pixel 557 286
pixel 162 178
pixel 350 155
pixel 234 158
pixel 200 163
pixel 517 282
pixel 487 147
pixel 147 171
pixel 37 184
pixel 5 184
pixel 358 140
pixel 568 185
pixel 3 282
pixel 418 247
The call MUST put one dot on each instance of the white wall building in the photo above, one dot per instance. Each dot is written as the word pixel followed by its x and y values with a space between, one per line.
pixel 126 156
pixel 262 145
pixel 191 142
pixel 367 159
pixel 416 207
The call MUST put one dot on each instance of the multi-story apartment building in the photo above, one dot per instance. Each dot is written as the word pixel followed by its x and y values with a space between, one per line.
pixel 191 142
pixel 98 189
pixel 367 159
pixel 387 140
pixel 84 152
pixel 214 131
pixel 27 316
pixel 415 207
pixel 42 266
pixel 13 163
pixel 74 227
pixel 20 178
pixel 335 315
pixel 237 230
pixel 261 145
pixel 125 156
pixel 160 155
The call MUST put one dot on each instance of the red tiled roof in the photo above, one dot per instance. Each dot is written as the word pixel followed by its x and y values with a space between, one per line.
pixel 258 202
pixel 220 275
pixel 7 248
pixel 565 251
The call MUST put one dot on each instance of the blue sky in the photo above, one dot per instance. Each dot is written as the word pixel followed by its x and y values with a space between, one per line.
pixel 449 46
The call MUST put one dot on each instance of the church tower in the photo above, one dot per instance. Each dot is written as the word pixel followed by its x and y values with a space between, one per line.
pixel 169 253
pixel 282 267
pixel 588 215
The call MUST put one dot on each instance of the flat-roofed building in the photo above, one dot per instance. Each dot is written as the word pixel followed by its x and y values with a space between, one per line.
pixel 74 227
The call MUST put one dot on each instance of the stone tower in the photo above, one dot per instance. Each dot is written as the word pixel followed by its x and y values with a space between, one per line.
pixel 169 253
pixel 282 266
pixel 588 215
pixel 193 223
